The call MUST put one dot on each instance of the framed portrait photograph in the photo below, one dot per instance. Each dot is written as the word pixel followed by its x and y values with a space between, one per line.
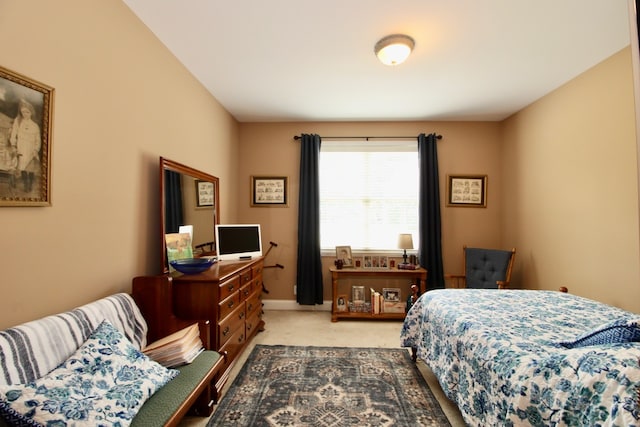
pixel 392 294
pixel 357 294
pixel 368 261
pixel 467 191
pixel 205 194
pixel 26 116
pixel 342 303
pixel 376 262
pixel 269 191
pixel 383 262
pixel 344 253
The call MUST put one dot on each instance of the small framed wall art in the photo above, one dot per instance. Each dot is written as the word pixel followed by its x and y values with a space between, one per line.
pixel 269 191
pixel 25 140
pixel 467 191
pixel 205 194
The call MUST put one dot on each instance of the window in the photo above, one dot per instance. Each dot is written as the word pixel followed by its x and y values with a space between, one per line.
pixel 368 193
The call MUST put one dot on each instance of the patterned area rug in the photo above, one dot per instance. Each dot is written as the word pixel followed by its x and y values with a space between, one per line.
pixel 328 387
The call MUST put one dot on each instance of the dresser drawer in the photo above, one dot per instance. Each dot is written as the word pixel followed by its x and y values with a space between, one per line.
pixel 246 291
pixel 254 303
pixel 228 305
pixel 233 346
pixel 231 324
pixel 253 322
pixel 245 277
pixel 257 270
pixel 229 287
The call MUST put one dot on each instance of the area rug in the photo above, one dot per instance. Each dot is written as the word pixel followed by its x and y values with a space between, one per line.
pixel 328 387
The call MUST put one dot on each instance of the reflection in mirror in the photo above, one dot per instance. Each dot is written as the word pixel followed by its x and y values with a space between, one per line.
pixel 189 201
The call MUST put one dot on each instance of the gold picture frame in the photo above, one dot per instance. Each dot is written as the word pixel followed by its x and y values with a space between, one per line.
pixel 467 191
pixel 26 124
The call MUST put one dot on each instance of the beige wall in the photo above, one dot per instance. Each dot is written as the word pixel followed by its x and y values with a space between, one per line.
pixel 466 148
pixel 121 101
pixel 570 193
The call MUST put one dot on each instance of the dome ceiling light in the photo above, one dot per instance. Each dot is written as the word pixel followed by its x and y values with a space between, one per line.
pixel 394 49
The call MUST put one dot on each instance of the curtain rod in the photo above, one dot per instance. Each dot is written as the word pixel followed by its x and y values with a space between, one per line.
pixel 366 138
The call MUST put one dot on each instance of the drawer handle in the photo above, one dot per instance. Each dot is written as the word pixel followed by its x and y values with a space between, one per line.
pixel 226 331
pixel 241 338
pixel 230 288
pixel 241 315
pixel 249 326
pixel 230 304
pixel 250 307
pixel 246 292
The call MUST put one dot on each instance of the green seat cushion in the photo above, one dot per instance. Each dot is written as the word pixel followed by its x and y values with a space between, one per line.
pixel 165 402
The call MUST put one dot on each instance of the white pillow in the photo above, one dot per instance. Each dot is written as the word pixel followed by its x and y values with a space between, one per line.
pixel 105 382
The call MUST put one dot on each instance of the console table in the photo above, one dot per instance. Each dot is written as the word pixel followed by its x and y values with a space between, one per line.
pixel 419 276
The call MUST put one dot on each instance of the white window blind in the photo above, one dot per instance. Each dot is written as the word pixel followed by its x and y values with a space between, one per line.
pixel 368 193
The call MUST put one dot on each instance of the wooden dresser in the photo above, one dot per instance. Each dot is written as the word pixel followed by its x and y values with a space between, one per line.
pixel 229 296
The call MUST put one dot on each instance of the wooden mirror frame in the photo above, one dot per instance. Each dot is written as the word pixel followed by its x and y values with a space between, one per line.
pixel 196 175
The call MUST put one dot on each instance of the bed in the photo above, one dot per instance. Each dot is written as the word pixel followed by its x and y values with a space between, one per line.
pixel 525 357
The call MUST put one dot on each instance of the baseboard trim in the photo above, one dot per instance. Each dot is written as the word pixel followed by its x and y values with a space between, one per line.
pixel 282 304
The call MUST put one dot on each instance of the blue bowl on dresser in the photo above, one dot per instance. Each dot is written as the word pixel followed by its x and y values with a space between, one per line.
pixel 192 265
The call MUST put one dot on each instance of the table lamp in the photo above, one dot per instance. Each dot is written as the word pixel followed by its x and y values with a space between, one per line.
pixel 405 241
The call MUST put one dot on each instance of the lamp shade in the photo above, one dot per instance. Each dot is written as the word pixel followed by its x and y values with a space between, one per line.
pixel 394 49
pixel 405 241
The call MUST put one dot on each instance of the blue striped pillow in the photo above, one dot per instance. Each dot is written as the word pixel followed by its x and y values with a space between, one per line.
pixel 616 332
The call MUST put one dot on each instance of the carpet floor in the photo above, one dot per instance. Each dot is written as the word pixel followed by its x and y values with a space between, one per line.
pixel 328 387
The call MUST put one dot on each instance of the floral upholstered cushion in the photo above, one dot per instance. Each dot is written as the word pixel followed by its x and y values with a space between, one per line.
pixel 616 332
pixel 105 382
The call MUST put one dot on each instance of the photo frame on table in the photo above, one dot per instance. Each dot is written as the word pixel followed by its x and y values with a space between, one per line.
pixel 342 303
pixel 26 122
pixel 357 294
pixel 383 262
pixel 467 191
pixel 392 294
pixel 269 191
pixel 205 194
pixel 344 253
pixel 376 262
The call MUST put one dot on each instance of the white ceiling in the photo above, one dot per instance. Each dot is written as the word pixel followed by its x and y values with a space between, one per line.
pixel 313 60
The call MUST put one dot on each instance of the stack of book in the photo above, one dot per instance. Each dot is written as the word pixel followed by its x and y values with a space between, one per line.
pixel 408 266
pixel 376 302
pixel 179 348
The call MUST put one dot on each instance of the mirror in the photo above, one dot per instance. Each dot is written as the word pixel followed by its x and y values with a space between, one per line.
pixel 188 197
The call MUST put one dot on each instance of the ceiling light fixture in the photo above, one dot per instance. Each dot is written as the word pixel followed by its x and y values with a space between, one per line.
pixel 394 49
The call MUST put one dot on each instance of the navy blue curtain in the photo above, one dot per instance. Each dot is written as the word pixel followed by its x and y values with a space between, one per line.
pixel 173 216
pixel 309 275
pixel 430 250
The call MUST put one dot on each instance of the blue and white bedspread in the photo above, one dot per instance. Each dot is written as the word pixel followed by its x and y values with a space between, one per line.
pixel 496 354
